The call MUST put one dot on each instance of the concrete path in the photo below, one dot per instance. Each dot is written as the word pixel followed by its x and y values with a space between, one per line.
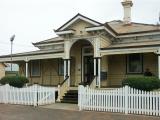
pixel 17 112
pixel 63 106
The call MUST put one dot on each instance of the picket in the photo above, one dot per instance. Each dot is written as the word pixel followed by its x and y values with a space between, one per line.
pixel 124 100
pixel 32 95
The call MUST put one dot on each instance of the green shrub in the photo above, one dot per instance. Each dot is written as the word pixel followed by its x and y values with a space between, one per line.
pixel 142 83
pixel 15 81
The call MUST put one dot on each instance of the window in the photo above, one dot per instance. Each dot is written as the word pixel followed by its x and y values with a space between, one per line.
pixel 35 68
pixel 60 67
pixel 134 63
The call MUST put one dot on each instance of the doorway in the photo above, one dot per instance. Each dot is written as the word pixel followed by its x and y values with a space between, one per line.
pixel 88 69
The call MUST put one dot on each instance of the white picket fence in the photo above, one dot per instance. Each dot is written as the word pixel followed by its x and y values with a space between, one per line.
pixel 32 95
pixel 124 100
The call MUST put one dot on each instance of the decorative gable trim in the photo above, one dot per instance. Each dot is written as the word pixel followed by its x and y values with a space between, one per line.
pixel 100 28
pixel 64 32
pixel 75 18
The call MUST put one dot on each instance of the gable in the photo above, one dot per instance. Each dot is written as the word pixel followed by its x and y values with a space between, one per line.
pixel 79 27
pixel 76 18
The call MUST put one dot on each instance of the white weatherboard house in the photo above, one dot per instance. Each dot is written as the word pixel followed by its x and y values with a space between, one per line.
pixel 92 53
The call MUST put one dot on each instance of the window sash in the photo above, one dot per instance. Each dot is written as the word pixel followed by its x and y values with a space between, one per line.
pixel 35 68
pixel 60 67
pixel 135 63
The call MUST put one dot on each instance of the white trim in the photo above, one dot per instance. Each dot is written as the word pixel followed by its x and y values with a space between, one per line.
pixel 81 18
pixel 65 32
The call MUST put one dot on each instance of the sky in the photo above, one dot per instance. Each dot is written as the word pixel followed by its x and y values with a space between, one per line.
pixel 34 20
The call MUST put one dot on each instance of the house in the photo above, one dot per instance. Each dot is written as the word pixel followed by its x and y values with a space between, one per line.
pixel 89 52
pixel 2 69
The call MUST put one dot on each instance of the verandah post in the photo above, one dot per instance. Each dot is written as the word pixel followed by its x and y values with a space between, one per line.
pixel 126 98
pixel 158 66
pixel 68 72
pixel 26 72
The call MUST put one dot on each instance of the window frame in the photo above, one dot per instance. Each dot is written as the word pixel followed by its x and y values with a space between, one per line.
pixel 60 64
pixel 127 64
pixel 38 75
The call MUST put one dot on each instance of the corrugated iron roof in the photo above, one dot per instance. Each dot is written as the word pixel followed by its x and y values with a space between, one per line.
pixel 121 28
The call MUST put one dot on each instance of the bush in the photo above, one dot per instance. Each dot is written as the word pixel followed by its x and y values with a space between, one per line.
pixel 15 81
pixel 142 83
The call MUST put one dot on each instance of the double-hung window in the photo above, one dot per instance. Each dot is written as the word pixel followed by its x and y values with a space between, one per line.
pixel 135 63
pixel 35 68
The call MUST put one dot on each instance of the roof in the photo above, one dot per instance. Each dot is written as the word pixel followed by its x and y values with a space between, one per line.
pixel 120 28
pixel 116 26
pixel 51 40
pixel 31 53
pixel 155 43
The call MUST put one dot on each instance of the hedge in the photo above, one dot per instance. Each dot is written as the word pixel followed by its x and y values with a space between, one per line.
pixel 15 81
pixel 142 83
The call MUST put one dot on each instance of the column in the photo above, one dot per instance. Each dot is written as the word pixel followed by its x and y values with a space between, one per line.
pixel 96 70
pixel 67 70
pixel 95 67
pixel 159 66
pixel 64 69
pixel 99 72
pixel 26 69
pixel 68 61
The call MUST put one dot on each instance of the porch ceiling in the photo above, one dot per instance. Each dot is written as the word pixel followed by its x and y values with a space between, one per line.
pixel 33 55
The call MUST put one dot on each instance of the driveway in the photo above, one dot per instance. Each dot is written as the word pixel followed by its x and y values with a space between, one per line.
pixel 17 112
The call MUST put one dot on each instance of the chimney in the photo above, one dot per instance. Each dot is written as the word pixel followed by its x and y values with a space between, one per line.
pixel 127 4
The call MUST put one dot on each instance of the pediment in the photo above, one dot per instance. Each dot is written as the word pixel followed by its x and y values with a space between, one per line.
pixel 78 19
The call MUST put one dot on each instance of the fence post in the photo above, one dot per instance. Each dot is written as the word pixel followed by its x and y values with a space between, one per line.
pixel 58 99
pixel 126 98
pixel 80 97
pixel 35 95
pixel 7 87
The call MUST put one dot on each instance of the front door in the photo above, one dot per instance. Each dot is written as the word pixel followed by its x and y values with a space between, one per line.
pixel 88 69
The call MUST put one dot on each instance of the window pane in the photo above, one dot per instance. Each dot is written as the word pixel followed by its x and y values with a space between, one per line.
pixel 60 67
pixel 135 63
pixel 35 68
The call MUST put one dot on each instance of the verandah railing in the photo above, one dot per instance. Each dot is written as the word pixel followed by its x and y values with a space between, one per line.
pixel 32 95
pixel 124 100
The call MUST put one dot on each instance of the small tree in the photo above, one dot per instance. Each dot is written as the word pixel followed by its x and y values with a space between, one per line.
pixel 15 81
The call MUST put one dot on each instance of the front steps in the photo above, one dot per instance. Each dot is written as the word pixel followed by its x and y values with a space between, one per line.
pixel 70 97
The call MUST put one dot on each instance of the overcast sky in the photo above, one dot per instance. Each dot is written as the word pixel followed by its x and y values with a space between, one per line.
pixel 34 20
